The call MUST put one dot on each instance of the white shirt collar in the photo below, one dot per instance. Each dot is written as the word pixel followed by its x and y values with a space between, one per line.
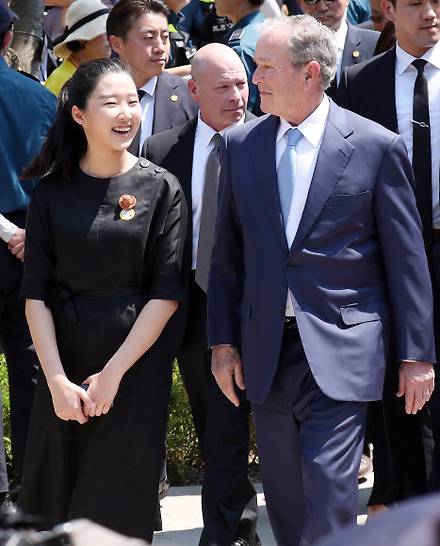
pixel 150 86
pixel 341 35
pixel 404 59
pixel 205 132
pixel 312 128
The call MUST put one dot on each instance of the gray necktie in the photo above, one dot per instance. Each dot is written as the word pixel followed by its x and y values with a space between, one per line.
pixel 286 172
pixel 209 213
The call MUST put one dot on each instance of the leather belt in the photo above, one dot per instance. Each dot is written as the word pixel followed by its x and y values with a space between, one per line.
pixel 290 323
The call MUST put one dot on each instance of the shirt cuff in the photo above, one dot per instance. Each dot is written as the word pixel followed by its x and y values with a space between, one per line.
pixel 7 229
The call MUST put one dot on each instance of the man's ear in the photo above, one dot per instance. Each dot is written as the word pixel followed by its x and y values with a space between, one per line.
pixel 116 43
pixel 193 91
pixel 388 10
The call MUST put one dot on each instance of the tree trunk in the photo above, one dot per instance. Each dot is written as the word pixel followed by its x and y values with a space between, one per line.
pixel 28 34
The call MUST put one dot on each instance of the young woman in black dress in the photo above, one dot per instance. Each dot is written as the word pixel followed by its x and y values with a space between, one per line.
pixel 105 235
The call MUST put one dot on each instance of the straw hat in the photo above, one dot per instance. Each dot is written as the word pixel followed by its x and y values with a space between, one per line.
pixel 85 20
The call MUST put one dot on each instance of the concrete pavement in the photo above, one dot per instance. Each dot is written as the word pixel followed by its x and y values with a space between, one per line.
pixel 182 516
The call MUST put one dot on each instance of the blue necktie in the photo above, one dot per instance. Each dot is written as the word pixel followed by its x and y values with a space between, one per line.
pixel 286 172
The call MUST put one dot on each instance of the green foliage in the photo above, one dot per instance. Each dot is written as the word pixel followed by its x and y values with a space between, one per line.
pixel 4 387
pixel 184 459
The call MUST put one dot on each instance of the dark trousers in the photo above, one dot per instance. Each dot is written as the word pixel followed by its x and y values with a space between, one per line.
pixel 21 359
pixel 228 498
pixel 407 447
pixel 309 448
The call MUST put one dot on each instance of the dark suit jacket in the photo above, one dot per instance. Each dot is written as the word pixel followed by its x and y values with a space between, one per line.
pixel 173 104
pixel 369 89
pixel 360 44
pixel 173 150
pixel 357 259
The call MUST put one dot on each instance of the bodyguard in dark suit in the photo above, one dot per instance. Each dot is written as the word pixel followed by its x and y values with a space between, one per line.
pixel 401 90
pixel 354 44
pixel 219 86
pixel 138 33
pixel 318 246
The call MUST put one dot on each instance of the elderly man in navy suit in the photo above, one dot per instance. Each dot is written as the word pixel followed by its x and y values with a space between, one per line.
pixel 318 245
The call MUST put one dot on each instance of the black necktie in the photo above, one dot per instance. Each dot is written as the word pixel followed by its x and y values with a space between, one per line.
pixel 422 150
pixel 134 146
pixel 209 213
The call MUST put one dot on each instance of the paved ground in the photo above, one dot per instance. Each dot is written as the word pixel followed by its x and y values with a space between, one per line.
pixel 182 518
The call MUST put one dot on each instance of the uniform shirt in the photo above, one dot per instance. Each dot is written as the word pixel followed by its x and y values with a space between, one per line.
pixel 242 38
pixel 202 149
pixel 341 36
pixel 60 76
pixel 405 79
pixel 27 110
pixel 147 105
pixel 312 129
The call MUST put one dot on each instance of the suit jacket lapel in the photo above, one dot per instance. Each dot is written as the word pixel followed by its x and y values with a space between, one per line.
pixel 164 107
pixel 352 43
pixel 264 163
pixel 334 154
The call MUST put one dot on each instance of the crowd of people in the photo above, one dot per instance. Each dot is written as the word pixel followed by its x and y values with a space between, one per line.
pixel 254 195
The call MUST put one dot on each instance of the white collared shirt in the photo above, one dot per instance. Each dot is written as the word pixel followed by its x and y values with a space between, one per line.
pixel 405 78
pixel 341 36
pixel 7 229
pixel 147 105
pixel 312 129
pixel 202 148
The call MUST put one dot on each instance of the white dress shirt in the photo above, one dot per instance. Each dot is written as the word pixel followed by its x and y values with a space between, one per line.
pixel 147 105
pixel 405 78
pixel 7 229
pixel 341 36
pixel 202 148
pixel 312 129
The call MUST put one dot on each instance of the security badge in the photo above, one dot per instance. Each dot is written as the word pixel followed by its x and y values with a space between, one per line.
pixel 127 204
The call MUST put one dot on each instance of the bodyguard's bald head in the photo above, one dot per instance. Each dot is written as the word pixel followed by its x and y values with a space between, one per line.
pixel 214 58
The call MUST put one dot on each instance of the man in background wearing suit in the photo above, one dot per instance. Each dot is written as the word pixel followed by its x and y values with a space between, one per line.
pixel 318 245
pixel 190 152
pixel 401 90
pixel 138 32
pixel 354 44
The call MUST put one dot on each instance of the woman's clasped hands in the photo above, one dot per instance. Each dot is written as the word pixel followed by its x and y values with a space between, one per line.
pixel 92 399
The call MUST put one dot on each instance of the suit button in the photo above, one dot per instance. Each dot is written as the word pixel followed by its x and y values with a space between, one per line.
pixel 290 265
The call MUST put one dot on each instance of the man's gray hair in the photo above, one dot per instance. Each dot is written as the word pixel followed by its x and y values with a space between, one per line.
pixel 308 40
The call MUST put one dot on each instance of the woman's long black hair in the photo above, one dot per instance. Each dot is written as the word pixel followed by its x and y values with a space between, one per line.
pixel 66 141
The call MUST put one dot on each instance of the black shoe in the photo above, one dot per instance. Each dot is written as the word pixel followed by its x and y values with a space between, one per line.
pixel 247 541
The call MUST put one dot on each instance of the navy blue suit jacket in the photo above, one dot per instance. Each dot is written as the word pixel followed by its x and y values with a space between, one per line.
pixel 357 259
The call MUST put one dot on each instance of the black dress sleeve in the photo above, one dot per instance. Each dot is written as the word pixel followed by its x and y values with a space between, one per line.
pixel 164 250
pixel 38 275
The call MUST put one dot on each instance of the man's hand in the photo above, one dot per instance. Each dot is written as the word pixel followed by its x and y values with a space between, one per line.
pixel 416 382
pixel 16 244
pixel 227 370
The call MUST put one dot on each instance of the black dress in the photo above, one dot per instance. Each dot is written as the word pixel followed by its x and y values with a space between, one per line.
pixel 96 272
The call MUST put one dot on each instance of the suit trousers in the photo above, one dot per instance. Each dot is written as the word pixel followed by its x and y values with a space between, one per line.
pixel 408 446
pixel 310 448
pixel 21 358
pixel 228 498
